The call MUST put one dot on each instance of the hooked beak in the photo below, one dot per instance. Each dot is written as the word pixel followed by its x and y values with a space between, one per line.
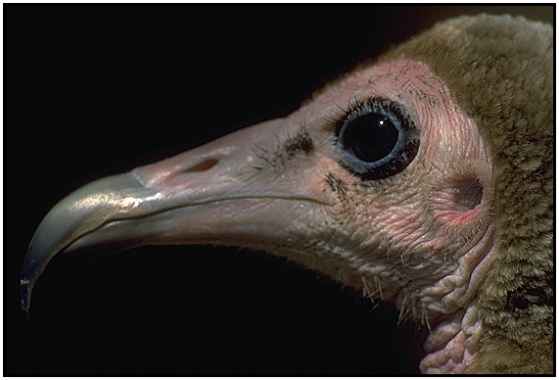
pixel 224 193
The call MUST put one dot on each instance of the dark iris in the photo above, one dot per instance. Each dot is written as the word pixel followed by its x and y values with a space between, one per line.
pixel 370 137
pixel 377 139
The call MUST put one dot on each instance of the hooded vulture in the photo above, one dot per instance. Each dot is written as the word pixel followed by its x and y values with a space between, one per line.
pixel 423 177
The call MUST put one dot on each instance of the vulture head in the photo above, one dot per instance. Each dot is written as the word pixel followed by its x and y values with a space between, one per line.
pixel 423 177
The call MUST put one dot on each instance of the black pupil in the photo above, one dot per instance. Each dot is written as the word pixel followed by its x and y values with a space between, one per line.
pixel 370 137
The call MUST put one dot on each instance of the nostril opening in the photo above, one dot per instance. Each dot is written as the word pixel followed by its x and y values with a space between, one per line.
pixel 202 166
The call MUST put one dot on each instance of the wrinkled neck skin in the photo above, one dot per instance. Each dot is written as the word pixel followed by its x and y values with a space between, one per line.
pixel 424 238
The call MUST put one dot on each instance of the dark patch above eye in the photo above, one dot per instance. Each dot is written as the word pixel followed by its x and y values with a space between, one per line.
pixel 301 142
pixel 277 155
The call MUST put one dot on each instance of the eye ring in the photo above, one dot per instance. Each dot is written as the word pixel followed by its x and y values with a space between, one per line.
pixel 377 139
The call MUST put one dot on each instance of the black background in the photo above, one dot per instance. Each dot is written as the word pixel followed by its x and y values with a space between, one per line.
pixel 96 90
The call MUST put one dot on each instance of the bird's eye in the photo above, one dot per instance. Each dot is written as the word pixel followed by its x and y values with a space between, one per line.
pixel 377 139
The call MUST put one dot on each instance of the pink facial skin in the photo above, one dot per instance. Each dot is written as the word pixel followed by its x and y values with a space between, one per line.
pixel 422 237
pixel 425 235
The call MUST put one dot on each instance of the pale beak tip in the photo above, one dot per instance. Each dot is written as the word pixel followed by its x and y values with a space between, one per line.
pixel 25 287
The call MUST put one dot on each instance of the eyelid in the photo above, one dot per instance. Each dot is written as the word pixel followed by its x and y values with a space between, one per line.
pixel 343 112
pixel 396 160
pixel 337 118
pixel 360 107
